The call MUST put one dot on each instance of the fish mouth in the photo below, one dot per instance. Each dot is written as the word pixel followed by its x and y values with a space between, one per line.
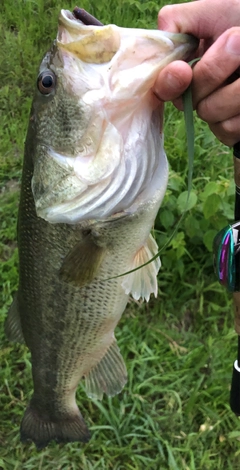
pixel 119 160
pixel 99 44
pixel 91 44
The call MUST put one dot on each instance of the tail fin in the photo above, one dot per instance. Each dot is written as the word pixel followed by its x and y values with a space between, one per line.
pixel 37 428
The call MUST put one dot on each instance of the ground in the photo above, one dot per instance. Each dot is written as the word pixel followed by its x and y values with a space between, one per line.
pixel 179 349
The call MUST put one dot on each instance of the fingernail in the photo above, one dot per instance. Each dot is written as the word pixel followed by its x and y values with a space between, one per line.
pixel 172 81
pixel 168 87
pixel 233 44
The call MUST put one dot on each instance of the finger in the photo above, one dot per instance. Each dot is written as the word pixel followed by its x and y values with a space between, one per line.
pixel 221 105
pixel 217 64
pixel 178 103
pixel 201 18
pixel 228 132
pixel 173 80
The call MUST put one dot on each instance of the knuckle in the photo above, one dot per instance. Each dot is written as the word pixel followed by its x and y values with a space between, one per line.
pixel 221 135
pixel 165 13
pixel 210 70
pixel 226 127
pixel 227 131
pixel 230 31
pixel 204 110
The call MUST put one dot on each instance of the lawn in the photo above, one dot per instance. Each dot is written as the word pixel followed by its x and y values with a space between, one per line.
pixel 174 412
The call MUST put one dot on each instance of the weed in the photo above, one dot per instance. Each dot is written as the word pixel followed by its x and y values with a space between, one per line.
pixel 174 412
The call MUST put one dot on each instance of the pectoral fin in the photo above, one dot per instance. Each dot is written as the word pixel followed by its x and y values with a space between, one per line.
pixel 13 329
pixel 143 282
pixel 82 263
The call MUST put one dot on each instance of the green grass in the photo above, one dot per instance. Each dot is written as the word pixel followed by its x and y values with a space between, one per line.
pixel 174 412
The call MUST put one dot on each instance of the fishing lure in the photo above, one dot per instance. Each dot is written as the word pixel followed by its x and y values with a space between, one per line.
pixel 226 254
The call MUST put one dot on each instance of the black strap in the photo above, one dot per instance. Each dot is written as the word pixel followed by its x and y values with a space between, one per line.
pixel 236 150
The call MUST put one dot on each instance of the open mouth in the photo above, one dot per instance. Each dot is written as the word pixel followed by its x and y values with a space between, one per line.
pixel 87 38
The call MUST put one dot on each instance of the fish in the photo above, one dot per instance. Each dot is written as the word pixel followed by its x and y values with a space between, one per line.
pixel 94 176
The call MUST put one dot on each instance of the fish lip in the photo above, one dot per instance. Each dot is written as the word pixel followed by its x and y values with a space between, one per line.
pixel 66 17
pixel 90 44
pixel 69 22
pixel 178 38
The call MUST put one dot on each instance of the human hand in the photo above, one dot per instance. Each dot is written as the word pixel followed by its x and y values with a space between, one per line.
pixel 215 97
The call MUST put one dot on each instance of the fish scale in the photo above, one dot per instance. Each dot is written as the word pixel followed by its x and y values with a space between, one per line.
pixel 79 317
pixel 93 181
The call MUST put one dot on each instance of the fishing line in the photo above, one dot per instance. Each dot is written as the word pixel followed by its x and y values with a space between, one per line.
pixel 189 125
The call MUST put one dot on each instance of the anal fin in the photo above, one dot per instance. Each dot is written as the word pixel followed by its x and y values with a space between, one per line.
pixel 13 329
pixel 143 282
pixel 108 376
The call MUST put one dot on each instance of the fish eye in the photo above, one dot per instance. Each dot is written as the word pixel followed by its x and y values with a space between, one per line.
pixel 46 82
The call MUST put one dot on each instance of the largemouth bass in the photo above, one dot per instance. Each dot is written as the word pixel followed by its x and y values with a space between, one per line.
pixel 94 176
